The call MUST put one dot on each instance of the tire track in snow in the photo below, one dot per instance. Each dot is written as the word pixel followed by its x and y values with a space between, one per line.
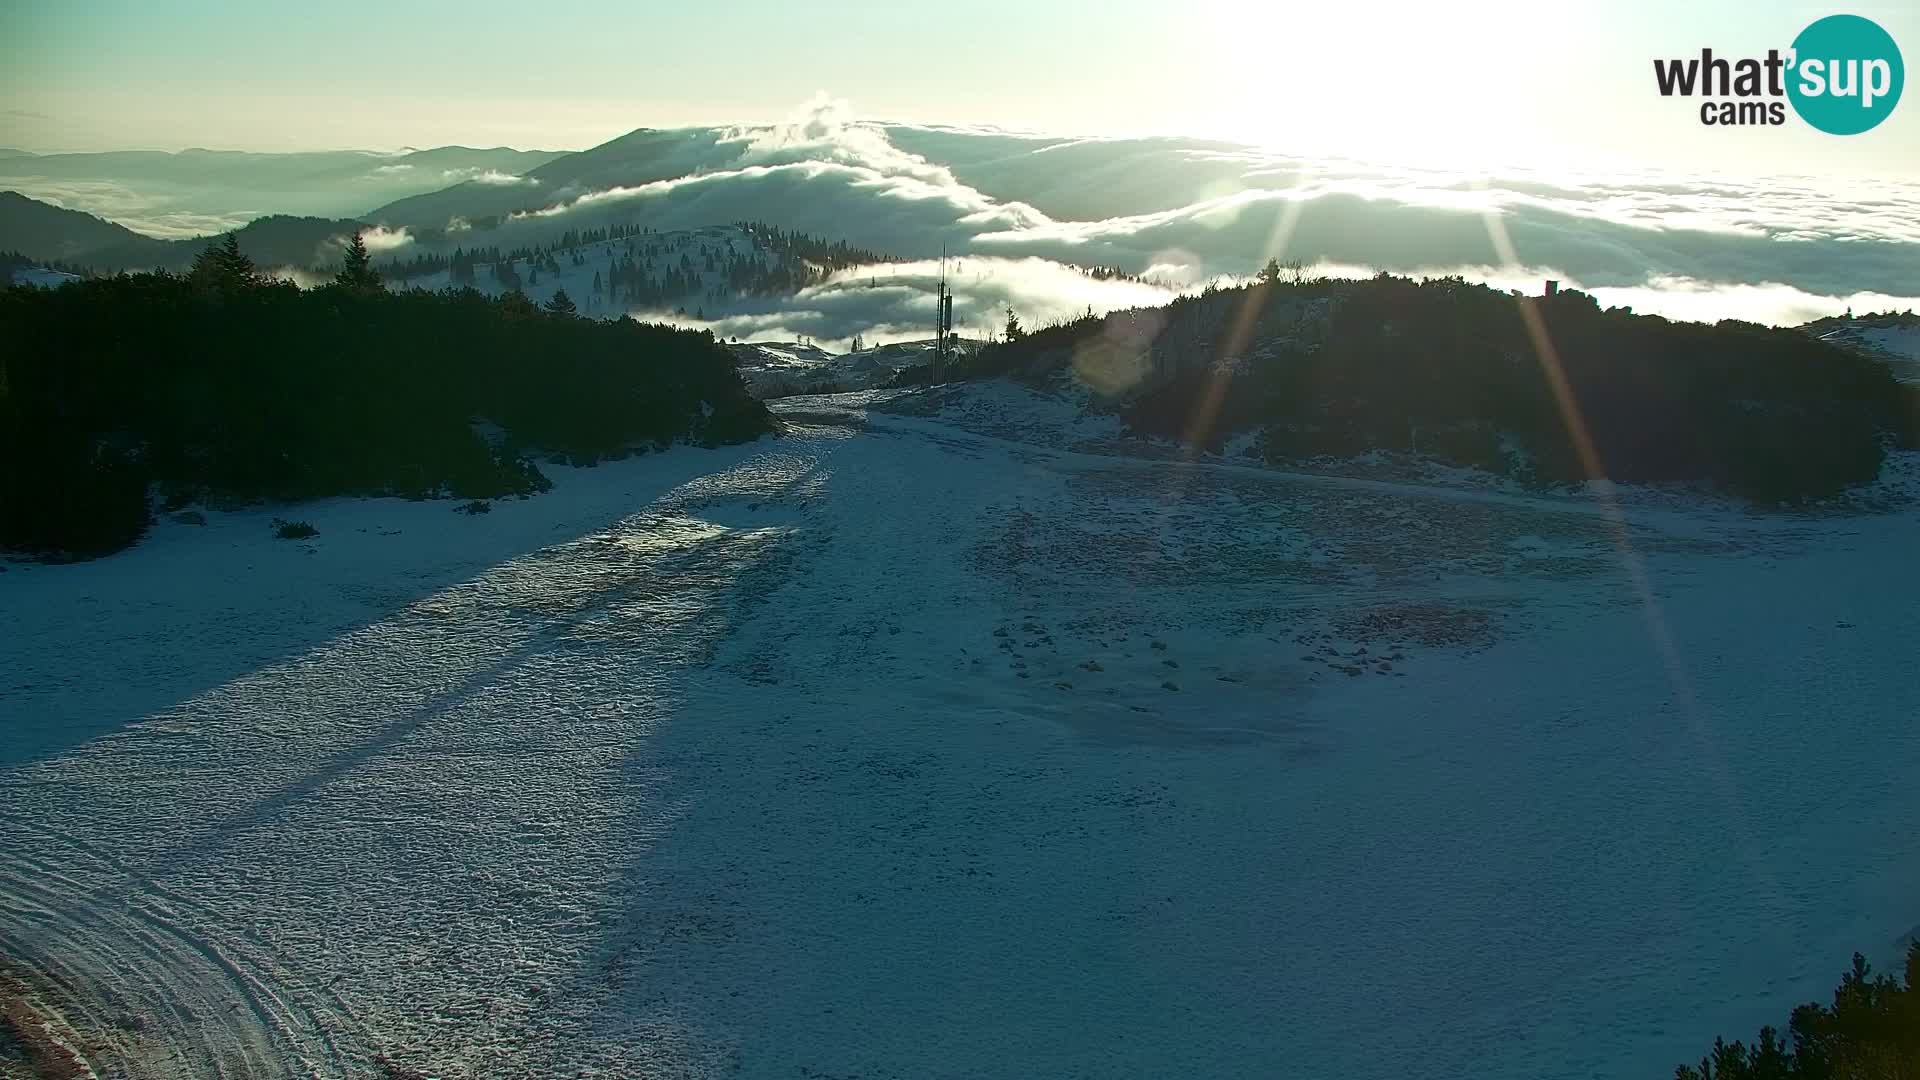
pixel 121 952
pixel 53 947
pixel 140 980
pixel 50 995
pixel 649 594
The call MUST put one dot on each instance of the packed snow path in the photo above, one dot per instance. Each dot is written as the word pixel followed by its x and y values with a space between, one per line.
pixel 883 749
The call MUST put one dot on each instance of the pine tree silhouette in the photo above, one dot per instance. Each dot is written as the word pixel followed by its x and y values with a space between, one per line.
pixel 358 273
pixel 222 266
pixel 562 304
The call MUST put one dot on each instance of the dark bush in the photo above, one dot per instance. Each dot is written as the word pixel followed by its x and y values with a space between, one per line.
pixel 293 530
pixel 69 497
pixel 1871 1032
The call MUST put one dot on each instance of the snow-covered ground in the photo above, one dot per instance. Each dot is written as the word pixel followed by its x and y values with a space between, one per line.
pixel 894 746
pixel 42 277
pixel 1893 339
pixel 786 368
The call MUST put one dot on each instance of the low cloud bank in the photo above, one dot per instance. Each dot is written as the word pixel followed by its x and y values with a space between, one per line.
pixel 143 212
pixel 1177 211
pixel 1182 212
pixel 895 302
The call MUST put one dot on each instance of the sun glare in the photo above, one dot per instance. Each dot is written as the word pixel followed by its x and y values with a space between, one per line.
pixel 1417 85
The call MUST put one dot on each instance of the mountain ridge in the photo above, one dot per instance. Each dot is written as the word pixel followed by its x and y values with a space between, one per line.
pixel 52 234
pixel 45 232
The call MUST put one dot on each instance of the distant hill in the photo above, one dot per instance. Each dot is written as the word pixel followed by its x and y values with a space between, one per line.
pixel 638 157
pixel 46 232
pixel 10 152
pixel 197 191
pixel 1071 179
pixel 1087 179
pixel 715 272
pixel 275 172
pixel 499 158
pixel 475 203
pixel 272 242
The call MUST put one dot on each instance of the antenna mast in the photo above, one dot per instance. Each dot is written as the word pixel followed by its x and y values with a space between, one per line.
pixel 942 320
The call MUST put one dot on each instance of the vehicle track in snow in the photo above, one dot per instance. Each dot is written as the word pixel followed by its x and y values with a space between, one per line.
pixel 412 816
pixel 153 992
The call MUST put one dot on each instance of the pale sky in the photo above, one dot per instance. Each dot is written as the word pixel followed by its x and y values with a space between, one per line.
pixel 1475 84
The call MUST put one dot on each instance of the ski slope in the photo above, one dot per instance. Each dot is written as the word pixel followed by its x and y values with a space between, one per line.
pixel 889 747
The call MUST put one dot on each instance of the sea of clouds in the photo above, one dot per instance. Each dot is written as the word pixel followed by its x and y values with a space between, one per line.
pixel 1016 211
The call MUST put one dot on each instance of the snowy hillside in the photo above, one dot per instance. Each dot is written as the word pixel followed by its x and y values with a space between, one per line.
pixel 574 268
pixel 1893 338
pixel 696 277
pixel 714 277
pixel 42 277
pixel 779 369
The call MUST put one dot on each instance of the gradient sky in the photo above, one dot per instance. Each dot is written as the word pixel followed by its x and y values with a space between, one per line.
pixel 1542 84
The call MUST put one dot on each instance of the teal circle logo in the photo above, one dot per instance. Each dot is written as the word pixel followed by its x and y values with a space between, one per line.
pixel 1847 74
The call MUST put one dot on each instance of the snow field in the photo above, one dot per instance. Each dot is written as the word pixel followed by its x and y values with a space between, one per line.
pixel 896 746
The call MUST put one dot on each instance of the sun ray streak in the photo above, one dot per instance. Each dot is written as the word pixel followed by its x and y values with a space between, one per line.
pixel 1206 410
pixel 1620 532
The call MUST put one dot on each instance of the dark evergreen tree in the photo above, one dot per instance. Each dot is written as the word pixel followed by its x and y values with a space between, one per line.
pixel 222 267
pixel 357 272
pixel 1871 1032
pixel 561 304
